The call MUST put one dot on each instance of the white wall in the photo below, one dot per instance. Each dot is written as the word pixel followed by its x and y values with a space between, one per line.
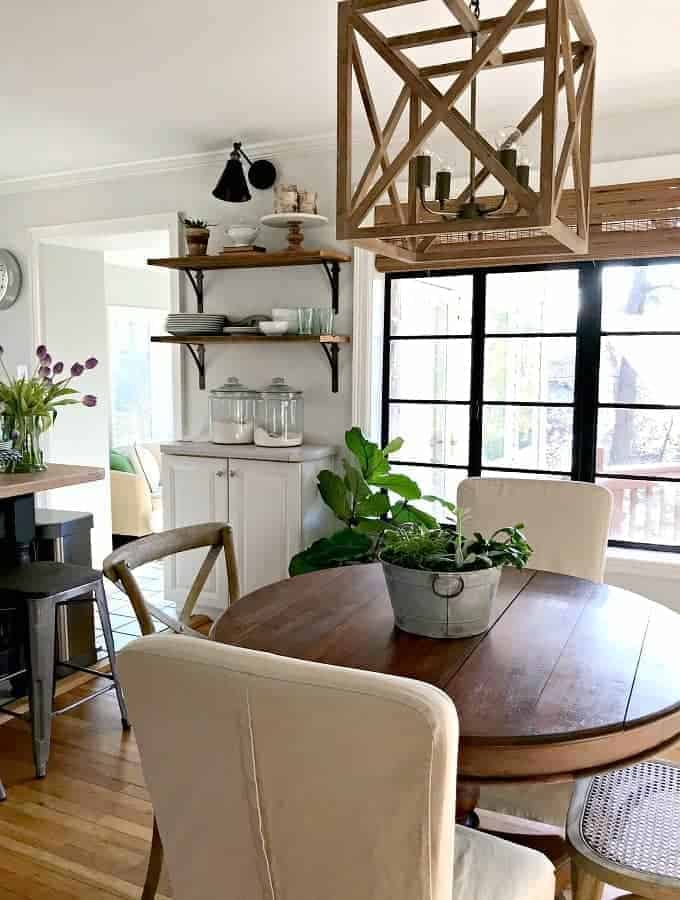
pixel 237 293
pixel 72 280
pixel 132 286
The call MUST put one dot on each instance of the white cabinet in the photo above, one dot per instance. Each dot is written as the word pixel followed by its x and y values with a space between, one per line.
pixel 273 506
pixel 194 491
pixel 266 515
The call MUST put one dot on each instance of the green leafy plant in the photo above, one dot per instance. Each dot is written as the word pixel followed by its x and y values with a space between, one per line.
pixel 413 546
pixel 196 223
pixel 370 500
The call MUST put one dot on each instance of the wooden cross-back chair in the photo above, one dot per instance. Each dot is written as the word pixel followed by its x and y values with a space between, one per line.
pixel 119 568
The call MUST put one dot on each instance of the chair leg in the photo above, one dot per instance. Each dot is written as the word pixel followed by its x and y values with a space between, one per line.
pixel 153 872
pixel 41 624
pixel 103 609
pixel 584 886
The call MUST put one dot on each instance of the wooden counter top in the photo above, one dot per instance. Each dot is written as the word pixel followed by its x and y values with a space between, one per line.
pixel 55 476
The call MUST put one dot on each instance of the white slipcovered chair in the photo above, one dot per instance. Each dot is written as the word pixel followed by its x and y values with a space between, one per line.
pixel 567 524
pixel 276 778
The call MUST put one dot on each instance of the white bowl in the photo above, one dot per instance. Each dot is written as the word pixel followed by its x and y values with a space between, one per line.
pixel 273 327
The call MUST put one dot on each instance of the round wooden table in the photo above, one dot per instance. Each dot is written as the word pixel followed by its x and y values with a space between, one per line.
pixel 572 677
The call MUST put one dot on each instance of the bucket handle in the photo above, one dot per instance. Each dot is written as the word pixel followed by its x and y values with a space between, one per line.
pixel 457 593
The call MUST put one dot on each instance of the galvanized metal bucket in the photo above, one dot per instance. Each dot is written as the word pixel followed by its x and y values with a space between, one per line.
pixel 442 604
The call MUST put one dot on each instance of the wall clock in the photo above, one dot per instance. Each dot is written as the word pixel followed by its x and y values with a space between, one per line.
pixel 10 279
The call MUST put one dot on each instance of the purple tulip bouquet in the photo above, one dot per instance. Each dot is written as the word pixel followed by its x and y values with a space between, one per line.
pixel 29 405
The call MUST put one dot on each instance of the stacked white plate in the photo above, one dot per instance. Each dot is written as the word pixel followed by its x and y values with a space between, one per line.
pixel 195 323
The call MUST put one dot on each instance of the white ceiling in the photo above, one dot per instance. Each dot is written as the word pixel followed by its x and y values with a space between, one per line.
pixel 93 84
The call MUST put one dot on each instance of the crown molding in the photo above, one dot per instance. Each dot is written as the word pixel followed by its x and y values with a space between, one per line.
pixel 275 150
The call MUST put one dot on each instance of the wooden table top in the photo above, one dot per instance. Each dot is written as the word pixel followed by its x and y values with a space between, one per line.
pixel 572 677
pixel 55 476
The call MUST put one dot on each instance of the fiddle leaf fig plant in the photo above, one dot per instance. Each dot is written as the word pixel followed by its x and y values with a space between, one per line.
pixel 368 499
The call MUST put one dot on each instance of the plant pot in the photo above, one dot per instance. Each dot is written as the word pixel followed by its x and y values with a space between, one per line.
pixel 442 604
pixel 197 241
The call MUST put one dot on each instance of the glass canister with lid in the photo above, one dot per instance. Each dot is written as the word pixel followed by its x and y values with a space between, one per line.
pixel 279 415
pixel 232 413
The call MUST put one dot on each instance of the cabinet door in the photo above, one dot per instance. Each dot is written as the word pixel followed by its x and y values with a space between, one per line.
pixel 265 513
pixel 194 491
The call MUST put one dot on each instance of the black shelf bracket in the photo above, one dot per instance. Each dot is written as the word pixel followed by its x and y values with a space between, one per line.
pixel 196 278
pixel 199 358
pixel 333 272
pixel 332 351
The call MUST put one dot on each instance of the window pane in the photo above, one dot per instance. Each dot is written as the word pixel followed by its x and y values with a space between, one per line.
pixel 639 442
pixel 537 370
pixel 522 437
pixel 140 375
pixel 641 298
pixel 436 483
pixel 430 370
pixel 432 305
pixel 637 370
pixel 532 302
pixel 644 512
pixel 435 434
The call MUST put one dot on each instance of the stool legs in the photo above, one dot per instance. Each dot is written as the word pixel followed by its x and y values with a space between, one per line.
pixel 100 598
pixel 41 624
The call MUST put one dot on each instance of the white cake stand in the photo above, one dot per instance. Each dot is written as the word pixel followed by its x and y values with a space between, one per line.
pixel 294 222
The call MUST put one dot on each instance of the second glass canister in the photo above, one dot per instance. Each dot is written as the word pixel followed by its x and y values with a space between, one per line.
pixel 279 415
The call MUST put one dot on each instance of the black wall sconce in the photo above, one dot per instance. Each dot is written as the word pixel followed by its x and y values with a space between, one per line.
pixel 233 187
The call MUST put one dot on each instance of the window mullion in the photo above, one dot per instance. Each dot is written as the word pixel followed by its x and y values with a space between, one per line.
pixel 477 371
pixel 586 393
pixel 386 364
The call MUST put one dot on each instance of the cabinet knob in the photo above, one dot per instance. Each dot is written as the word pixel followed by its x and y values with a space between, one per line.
pixel 220 473
pixel 232 473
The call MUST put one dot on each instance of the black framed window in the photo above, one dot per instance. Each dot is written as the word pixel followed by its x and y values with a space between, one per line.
pixel 554 371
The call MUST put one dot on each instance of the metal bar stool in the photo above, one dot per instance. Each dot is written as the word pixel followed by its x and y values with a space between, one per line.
pixel 41 587
pixel 623 829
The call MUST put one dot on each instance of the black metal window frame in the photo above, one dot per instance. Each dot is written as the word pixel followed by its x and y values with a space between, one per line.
pixel 586 402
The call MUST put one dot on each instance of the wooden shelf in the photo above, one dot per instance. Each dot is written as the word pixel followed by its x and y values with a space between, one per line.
pixel 329 343
pixel 251 260
pixel 251 338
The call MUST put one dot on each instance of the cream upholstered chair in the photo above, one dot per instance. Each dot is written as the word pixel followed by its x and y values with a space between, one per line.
pixel 567 524
pixel 273 777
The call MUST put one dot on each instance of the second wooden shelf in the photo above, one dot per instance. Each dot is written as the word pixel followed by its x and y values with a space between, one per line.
pixel 329 343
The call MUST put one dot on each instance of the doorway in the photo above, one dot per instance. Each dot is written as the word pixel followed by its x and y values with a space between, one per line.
pixel 94 296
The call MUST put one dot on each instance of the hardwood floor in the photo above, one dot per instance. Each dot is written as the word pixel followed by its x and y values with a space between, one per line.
pixel 83 832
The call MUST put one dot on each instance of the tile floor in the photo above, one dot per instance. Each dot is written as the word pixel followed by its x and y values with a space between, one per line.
pixel 123 621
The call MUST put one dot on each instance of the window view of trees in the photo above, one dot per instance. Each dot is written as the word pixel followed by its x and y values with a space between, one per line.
pixel 637 436
pixel 527 363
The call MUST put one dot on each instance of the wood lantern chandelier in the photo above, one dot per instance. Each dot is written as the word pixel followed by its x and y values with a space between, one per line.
pixel 523 221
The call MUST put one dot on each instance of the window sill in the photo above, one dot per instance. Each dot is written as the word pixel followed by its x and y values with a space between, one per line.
pixel 652 563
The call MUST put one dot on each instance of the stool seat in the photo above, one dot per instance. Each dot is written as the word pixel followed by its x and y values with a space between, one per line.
pixel 624 828
pixel 45 579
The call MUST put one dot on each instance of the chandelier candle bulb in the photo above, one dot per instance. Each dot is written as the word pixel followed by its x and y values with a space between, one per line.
pixel 423 171
pixel 442 187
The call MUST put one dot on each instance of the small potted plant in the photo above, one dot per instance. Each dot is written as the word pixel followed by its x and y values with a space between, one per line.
pixel 442 584
pixel 197 234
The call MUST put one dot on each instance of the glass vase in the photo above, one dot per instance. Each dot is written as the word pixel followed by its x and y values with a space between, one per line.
pixel 26 432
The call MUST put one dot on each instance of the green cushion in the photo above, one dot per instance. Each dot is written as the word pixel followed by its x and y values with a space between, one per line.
pixel 118 462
